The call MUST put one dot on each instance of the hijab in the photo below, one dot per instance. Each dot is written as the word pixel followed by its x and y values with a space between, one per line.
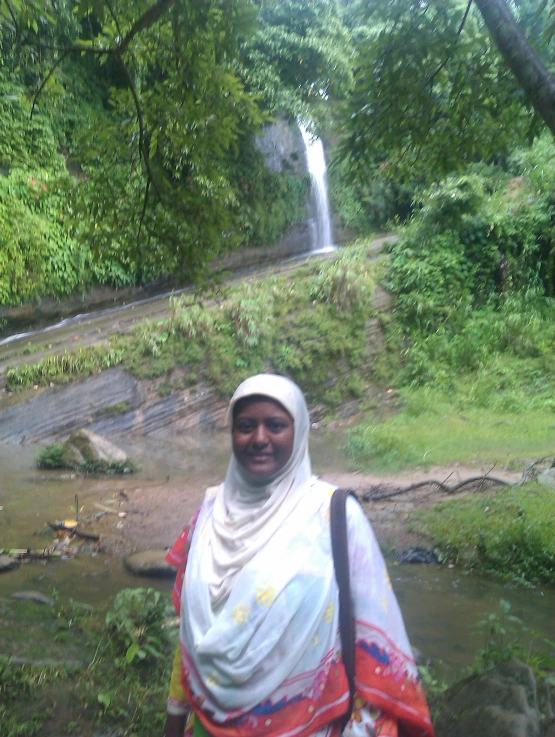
pixel 246 514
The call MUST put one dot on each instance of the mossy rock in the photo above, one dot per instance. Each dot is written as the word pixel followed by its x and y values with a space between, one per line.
pixel 86 451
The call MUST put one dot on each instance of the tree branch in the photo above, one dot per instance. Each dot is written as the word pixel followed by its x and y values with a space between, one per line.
pixel 443 63
pixel 45 81
pixel 14 19
pixel 114 18
pixel 140 118
pixel 376 496
pixel 521 57
pixel 145 203
pixel 147 19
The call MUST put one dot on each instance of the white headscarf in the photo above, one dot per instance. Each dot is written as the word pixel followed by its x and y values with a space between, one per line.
pixel 246 515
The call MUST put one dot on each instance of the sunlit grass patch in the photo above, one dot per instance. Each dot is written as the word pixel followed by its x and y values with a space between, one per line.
pixel 509 533
pixel 430 430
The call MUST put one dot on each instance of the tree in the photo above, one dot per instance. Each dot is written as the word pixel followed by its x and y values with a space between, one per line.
pixel 158 191
pixel 432 91
pixel 300 56
pixel 521 58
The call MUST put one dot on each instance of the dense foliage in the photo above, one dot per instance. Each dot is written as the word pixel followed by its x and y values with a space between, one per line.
pixel 152 108
pixel 121 685
pixel 432 92
pixel 134 128
pixel 505 533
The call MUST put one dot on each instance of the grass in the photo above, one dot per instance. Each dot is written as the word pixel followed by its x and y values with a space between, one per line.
pixel 63 367
pixel 430 430
pixel 508 533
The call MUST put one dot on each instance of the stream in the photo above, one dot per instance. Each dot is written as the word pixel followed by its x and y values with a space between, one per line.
pixel 441 605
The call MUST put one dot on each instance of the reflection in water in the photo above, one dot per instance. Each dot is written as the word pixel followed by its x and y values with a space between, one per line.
pixel 441 606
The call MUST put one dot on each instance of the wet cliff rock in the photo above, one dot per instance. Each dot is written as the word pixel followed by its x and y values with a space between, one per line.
pixel 111 403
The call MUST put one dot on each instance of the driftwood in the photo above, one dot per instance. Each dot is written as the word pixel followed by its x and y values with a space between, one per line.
pixel 28 554
pixel 373 496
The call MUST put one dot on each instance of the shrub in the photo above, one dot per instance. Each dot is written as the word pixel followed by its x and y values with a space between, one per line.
pixel 59 368
pixel 51 457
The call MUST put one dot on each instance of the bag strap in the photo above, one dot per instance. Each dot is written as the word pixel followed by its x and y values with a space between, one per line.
pixel 340 551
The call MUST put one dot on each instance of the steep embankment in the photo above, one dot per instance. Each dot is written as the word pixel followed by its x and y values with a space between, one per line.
pixel 165 365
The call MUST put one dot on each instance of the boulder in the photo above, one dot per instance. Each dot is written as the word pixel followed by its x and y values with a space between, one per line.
pixel 149 563
pixel 502 702
pixel 547 478
pixel 7 563
pixel 92 448
pixel 86 448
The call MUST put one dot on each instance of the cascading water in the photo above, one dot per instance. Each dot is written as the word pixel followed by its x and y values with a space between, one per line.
pixel 322 239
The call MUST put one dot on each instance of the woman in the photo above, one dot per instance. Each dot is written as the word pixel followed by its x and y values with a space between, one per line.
pixel 260 651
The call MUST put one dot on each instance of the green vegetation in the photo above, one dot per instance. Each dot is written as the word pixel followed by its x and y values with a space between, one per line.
pixel 53 457
pixel 126 655
pixel 509 533
pixel 507 636
pixel 64 367
pixel 432 428
pixel 114 169
pixel 312 327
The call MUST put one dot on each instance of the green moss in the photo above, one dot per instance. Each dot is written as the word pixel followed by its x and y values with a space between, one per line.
pixel 51 457
pixel 113 410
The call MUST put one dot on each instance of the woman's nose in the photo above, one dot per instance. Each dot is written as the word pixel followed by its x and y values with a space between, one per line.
pixel 260 435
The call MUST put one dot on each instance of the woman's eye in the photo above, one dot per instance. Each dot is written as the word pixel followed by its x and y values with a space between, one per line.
pixel 276 427
pixel 244 427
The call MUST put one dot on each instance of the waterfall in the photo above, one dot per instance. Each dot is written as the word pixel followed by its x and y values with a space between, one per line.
pixel 322 239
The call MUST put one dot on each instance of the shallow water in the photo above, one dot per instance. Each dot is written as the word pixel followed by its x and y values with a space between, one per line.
pixel 441 606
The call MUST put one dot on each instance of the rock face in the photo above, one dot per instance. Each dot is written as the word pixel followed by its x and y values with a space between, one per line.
pixel 7 563
pixel 502 702
pixel 86 447
pixel 547 478
pixel 149 563
pixel 283 148
pixel 59 410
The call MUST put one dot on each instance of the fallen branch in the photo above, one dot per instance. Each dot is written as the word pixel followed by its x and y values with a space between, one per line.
pixel 376 496
pixel 528 470
pixel 27 553
pixel 475 479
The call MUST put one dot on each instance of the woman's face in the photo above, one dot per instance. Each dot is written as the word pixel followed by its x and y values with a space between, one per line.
pixel 262 437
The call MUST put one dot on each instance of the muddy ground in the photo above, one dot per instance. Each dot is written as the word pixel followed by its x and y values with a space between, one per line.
pixel 156 514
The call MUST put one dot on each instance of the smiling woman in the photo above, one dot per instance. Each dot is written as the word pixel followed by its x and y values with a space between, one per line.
pixel 262 435
pixel 260 650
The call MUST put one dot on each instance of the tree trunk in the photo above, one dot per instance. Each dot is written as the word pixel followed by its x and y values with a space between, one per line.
pixel 521 57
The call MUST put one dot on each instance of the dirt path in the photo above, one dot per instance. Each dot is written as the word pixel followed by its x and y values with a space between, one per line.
pixel 156 514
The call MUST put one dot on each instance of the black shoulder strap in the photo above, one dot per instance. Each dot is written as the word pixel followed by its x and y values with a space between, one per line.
pixel 338 526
